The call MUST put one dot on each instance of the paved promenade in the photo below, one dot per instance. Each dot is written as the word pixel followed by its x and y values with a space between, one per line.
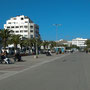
pixel 7 70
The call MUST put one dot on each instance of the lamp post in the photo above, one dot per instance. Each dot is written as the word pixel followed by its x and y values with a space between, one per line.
pixel 57 25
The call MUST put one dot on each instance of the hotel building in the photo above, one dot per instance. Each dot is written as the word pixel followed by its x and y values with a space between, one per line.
pixel 80 42
pixel 22 25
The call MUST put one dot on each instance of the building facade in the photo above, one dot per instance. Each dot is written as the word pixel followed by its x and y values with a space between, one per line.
pixel 22 25
pixel 80 42
pixel 64 42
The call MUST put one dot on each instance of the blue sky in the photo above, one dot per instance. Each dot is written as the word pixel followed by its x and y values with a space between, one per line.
pixel 74 15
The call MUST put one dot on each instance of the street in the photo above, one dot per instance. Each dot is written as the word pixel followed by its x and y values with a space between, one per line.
pixel 62 72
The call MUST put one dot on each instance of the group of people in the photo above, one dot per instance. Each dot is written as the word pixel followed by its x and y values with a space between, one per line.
pixel 4 57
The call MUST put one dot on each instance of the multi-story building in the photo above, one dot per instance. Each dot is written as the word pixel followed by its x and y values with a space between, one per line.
pixel 22 25
pixel 80 42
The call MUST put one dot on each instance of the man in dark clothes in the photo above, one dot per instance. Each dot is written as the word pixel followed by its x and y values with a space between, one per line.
pixel 18 56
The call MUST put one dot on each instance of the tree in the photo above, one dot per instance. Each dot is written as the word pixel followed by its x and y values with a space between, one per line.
pixel 27 43
pixel 4 34
pixel 22 43
pixel 15 39
pixel 52 44
pixel 44 44
pixel 88 43
pixel 73 46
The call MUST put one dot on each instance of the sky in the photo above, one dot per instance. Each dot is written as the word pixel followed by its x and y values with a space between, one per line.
pixel 74 15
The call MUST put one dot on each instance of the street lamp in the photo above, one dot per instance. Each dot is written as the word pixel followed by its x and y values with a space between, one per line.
pixel 57 25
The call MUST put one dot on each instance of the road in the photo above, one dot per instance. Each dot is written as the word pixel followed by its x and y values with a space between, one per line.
pixel 71 72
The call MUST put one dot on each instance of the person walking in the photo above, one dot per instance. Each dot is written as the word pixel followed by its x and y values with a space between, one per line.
pixel 17 56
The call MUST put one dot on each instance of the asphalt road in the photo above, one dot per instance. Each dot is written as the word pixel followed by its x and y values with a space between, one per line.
pixel 71 72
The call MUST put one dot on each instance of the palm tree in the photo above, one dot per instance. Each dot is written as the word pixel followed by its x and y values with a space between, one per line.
pixel 35 43
pixel 52 44
pixel 28 44
pixel 15 39
pixel 39 42
pixel 33 40
pixel 45 44
pixel 88 43
pixel 4 34
pixel 22 43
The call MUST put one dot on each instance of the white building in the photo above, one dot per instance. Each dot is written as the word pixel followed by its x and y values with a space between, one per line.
pixel 22 25
pixel 64 42
pixel 80 42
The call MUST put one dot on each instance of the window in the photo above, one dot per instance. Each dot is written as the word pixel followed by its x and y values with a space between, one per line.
pixel 25 35
pixel 8 27
pixel 12 26
pixel 31 31
pixel 17 31
pixel 21 31
pixel 13 22
pixel 21 26
pixel 31 26
pixel 21 18
pixel 25 26
pixel 9 22
pixel 26 21
pixel 25 31
pixel 17 26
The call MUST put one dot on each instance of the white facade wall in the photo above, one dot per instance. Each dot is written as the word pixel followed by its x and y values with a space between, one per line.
pixel 22 25
pixel 80 42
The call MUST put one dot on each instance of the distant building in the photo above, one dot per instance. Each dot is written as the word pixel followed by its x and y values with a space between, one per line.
pixel 80 42
pixel 69 43
pixel 22 25
pixel 64 42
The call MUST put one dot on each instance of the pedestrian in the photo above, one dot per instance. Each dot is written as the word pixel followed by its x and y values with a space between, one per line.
pixel 17 56
pixel 86 51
